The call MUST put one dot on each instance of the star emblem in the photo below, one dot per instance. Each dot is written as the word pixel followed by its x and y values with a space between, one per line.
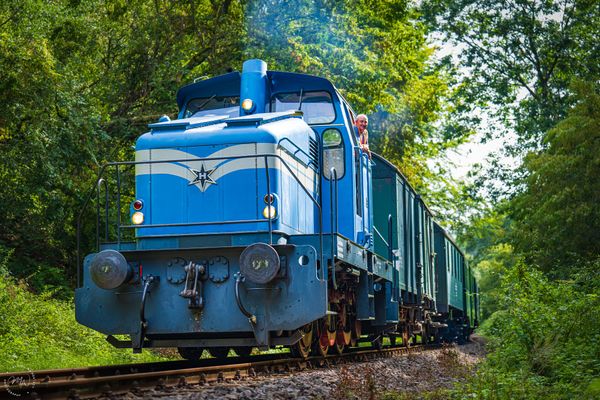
pixel 202 177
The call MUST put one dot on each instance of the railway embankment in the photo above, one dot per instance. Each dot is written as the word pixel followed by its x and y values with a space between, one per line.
pixel 417 375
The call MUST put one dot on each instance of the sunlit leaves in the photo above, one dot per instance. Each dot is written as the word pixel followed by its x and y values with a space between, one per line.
pixel 79 81
pixel 557 216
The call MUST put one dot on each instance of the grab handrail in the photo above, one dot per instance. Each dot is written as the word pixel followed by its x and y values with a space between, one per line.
pixel 334 219
pixel 116 164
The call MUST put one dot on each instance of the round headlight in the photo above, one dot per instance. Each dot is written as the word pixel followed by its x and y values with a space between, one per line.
pixel 109 269
pixel 269 212
pixel 137 218
pixel 259 263
pixel 247 105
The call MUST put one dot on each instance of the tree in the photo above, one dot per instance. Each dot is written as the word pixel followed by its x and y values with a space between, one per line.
pixel 376 53
pixel 557 220
pixel 78 82
pixel 521 56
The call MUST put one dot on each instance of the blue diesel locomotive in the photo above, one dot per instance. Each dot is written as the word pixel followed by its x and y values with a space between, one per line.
pixel 257 221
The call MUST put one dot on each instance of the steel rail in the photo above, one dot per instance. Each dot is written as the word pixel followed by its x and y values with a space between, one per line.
pixel 94 381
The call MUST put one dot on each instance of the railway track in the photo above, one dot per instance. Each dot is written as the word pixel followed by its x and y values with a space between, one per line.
pixel 112 381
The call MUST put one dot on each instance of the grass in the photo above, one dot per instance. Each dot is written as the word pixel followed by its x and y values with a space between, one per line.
pixel 39 332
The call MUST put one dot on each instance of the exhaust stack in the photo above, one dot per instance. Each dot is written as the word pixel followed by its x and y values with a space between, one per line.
pixel 253 90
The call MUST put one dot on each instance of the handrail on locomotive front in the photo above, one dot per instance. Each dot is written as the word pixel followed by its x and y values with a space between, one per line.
pixel 311 164
pixel 100 180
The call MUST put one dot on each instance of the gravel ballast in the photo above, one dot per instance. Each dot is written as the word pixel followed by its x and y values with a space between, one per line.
pixel 415 373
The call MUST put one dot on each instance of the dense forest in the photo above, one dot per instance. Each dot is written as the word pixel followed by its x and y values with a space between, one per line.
pixel 80 80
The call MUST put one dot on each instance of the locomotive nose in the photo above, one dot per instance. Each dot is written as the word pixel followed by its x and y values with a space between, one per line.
pixel 109 269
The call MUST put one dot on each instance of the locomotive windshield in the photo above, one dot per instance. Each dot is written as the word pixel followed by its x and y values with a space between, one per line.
pixel 317 106
pixel 214 105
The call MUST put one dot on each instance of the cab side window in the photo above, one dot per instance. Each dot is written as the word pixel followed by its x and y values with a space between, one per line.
pixel 333 153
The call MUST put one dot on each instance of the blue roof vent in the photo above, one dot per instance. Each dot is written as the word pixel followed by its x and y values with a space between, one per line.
pixel 164 118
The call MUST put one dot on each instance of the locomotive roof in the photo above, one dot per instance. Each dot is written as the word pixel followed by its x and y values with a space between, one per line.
pixel 229 85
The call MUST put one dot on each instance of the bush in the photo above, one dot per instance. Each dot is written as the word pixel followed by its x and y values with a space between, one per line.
pixel 38 332
pixel 545 343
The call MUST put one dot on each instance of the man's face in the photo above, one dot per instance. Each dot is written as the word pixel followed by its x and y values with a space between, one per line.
pixel 361 124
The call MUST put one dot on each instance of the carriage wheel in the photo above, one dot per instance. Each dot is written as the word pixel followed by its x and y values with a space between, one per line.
pixel 377 344
pixel 190 353
pixel 405 337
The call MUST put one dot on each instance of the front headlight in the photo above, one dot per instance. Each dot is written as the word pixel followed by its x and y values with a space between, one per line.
pixel 269 212
pixel 137 218
pixel 248 105
pixel 259 263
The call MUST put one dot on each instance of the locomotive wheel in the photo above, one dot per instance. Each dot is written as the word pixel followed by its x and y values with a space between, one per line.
pixel 356 332
pixel 343 334
pixel 405 338
pixel 218 352
pixel 190 353
pixel 342 340
pixel 337 348
pixel 243 351
pixel 302 348
pixel 320 345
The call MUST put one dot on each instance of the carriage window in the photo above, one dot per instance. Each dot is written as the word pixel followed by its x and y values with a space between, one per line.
pixel 317 106
pixel 215 105
pixel 333 153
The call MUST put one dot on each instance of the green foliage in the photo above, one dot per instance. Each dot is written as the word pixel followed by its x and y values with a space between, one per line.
pixel 517 61
pixel 485 239
pixel 557 220
pixel 376 54
pixel 370 49
pixel 545 342
pixel 37 332
pixel 522 55
pixel 78 82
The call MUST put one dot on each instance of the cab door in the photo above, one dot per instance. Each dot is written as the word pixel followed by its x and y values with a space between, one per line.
pixel 363 216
